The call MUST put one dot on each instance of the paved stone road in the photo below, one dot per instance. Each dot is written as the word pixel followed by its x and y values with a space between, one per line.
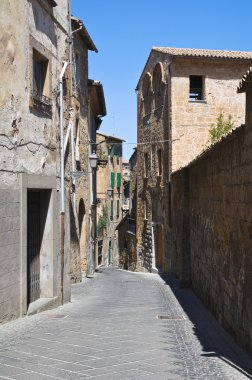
pixel 110 331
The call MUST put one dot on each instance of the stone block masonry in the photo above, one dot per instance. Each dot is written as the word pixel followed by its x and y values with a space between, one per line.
pixel 9 249
pixel 212 231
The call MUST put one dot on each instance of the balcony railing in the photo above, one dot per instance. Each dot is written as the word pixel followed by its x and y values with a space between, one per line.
pixel 41 98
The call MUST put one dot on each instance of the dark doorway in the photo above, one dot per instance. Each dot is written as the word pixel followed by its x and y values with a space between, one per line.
pixel 159 247
pixel 33 245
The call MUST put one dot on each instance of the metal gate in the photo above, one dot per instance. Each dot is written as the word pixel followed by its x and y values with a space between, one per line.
pixel 33 246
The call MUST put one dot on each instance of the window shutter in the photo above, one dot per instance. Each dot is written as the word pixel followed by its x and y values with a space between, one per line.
pixel 112 179
pixel 111 210
pixel 117 208
pixel 119 180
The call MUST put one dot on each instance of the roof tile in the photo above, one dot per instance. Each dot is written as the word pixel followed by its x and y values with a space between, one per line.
pixel 184 52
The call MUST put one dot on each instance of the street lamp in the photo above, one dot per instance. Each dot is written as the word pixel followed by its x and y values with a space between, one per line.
pixel 110 191
pixel 93 160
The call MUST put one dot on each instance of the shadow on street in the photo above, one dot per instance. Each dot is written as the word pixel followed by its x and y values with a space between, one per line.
pixel 213 338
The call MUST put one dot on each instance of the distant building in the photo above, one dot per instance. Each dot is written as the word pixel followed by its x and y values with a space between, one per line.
pixel 126 186
pixel 109 197
pixel 181 92
pixel 127 227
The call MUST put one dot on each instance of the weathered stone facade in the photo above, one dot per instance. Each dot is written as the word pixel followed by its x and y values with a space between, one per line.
pixel 212 224
pixel 174 119
pixel 34 46
pixel 109 196
pixel 127 227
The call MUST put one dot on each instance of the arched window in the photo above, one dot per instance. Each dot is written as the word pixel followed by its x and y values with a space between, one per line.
pixel 147 93
pixel 158 85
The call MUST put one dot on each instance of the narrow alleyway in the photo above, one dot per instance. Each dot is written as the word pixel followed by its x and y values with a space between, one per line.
pixel 111 331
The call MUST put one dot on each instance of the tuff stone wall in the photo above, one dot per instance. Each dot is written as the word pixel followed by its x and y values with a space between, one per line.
pixel 29 143
pixel 153 136
pixel 191 120
pixel 9 246
pixel 113 164
pixel 212 230
pixel 180 128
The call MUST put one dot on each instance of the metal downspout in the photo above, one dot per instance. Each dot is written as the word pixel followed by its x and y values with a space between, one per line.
pixel 62 175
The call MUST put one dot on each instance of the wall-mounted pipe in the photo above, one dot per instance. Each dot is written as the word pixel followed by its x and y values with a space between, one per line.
pixel 62 182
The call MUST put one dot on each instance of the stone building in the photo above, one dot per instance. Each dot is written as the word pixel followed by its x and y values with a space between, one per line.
pixel 127 227
pixel 212 225
pixel 45 132
pixel 86 104
pixel 109 197
pixel 126 186
pixel 181 92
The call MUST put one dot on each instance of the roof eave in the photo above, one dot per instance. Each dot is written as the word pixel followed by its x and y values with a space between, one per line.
pixel 84 34
pixel 100 98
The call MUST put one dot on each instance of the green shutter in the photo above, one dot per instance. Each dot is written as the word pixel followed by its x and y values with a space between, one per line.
pixel 111 210
pixel 117 208
pixel 112 179
pixel 119 180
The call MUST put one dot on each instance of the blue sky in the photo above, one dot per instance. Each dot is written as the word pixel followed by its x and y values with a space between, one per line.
pixel 125 31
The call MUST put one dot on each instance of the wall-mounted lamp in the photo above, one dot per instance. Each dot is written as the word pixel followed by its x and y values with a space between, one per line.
pixel 93 160
pixel 110 191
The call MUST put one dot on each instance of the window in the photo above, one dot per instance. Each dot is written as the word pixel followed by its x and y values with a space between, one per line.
pixel 40 79
pixel 117 208
pixel 159 163
pixel 196 88
pixel 111 151
pixel 119 180
pixel 147 93
pixel 145 209
pixel 111 210
pixel 112 179
pixel 158 85
pixel 118 149
pixel 146 165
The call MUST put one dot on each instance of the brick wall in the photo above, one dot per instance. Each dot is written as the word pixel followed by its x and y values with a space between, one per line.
pixel 212 231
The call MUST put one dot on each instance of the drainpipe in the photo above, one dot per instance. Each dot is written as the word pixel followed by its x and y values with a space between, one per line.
pixel 73 158
pixel 62 203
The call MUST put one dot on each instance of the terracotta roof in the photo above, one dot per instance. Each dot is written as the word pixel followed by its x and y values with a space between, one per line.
pixel 181 52
pixel 246 81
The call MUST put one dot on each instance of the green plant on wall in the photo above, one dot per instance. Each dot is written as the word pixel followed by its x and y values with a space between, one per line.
pixel 223 127
pixel 103 219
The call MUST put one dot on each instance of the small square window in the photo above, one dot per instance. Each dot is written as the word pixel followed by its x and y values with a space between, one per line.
pixel 196 88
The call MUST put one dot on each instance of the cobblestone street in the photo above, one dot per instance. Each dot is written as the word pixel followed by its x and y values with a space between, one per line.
pixel 111 331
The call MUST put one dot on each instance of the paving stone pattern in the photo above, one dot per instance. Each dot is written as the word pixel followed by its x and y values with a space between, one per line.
pixel 110 331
